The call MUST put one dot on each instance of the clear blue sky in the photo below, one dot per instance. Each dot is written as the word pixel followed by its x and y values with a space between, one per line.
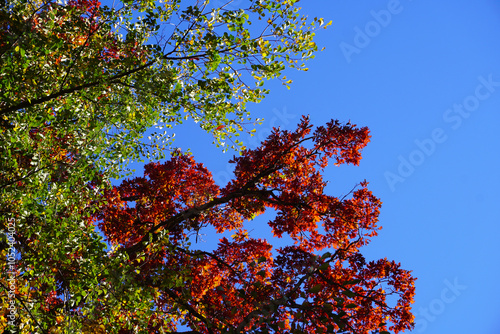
pixel 424 76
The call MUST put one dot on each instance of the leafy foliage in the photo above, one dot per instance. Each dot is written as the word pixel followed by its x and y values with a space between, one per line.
pixel 81 83
pixel 243 286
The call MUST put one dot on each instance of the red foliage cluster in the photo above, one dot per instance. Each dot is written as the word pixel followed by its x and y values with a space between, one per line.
pixel 91 7
pixel 165 191
pixel 240 285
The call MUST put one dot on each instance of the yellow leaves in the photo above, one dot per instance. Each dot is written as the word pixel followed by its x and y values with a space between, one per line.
pixel 79 40
pixel 3 320
pixel 35 5
pixel 93 328
pixel 263 43
pixel 240 235
pixel 321 22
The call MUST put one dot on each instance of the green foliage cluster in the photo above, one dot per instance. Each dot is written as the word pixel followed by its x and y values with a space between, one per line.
pixel 80 84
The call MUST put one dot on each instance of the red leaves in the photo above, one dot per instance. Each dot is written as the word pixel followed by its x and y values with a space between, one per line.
pixel 240 285
pixel 294 186
pixel 166 190
pixel 341 142
pixel 89 6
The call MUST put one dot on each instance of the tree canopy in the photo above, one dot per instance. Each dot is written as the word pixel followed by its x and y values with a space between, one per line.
pixel 80 84
pixel 246 286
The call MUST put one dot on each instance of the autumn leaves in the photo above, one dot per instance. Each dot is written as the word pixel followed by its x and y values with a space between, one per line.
pixel 251 288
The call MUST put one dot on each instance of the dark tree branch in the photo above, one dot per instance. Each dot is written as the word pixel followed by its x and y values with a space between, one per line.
pixel 190 309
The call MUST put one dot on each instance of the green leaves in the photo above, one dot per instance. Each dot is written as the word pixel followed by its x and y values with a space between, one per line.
pixel 348 293
pixel 80 84
pixel 315 289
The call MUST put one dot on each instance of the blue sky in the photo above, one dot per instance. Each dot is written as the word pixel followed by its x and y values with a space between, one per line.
pixel 424 76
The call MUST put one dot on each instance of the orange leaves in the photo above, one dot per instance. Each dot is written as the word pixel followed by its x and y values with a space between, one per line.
pixel 284 175
pixel 343 142
pixel 238 279
pixel 166 190
pixel 89 6
pixel 241 285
